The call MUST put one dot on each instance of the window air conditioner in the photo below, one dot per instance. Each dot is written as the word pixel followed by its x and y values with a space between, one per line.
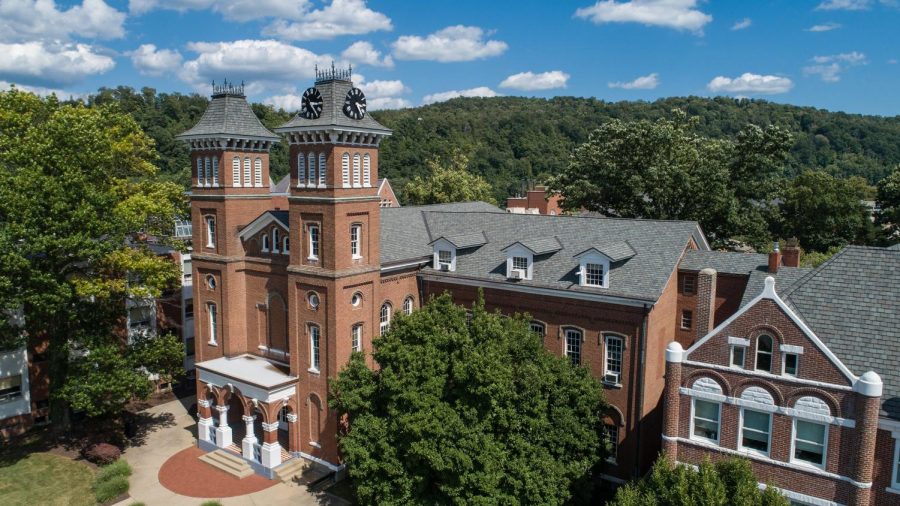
pixel 516 274
pixel 611 377
pixel 445 267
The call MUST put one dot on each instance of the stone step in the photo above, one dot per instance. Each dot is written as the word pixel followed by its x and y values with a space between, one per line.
pixel 230 463
pixel 290 469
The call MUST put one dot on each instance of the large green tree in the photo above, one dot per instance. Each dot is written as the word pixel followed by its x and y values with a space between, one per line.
pixel 663 169
pixel 728 482
pixel 448 181
pixel 466 411
pixel 888 200
pixel 76 184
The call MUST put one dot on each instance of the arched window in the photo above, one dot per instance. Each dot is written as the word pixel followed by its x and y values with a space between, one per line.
pixel 215 167
pixel 314 347
pixel 236 171
pixel 345 170
pixel 615 346
pixel 321 169
pixel 356 170
pixel 355 239
pixel 257 172
pixel 208 171
pixel 283 418
pixel 265 242
pixel 385 320
pixel 573 345
pixel 201 176
pixel 764 353
pixel 275 240
pixel 212 313
pixel 367 171
pixel 301 170
pixel 286 245
pixel 311 165
pixel 356 337
pixel 247 174
pixel 408 305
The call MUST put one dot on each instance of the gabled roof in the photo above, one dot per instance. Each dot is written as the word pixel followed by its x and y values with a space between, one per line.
pixel 228 115
pixel 615 252
pixel 464 241
pixel 725 262
pixel 538 245
pixel 263 221
pixel 283 186
pixel 333 93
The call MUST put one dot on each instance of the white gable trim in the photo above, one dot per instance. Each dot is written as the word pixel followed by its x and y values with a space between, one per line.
pixel 769 293
pixel 258 225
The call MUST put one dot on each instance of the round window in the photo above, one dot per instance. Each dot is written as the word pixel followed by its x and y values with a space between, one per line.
pixel 356 300
pixel 313 299
pixel 211 282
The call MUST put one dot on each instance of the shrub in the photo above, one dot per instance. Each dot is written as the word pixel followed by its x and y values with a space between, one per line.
pixel 117 468
pixel 102 453
pixel 110 488
pixel 211 503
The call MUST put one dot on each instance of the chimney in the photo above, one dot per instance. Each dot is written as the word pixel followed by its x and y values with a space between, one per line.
pixel 791 255
pixel 774 259
pixel 706 301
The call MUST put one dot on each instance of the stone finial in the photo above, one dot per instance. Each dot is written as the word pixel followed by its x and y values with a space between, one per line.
pixel 869 384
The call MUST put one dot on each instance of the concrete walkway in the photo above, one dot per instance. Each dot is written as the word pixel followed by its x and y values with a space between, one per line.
pixel 168 429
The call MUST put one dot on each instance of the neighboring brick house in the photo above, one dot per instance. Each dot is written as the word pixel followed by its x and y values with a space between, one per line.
pixel 536 201
pixel 802 380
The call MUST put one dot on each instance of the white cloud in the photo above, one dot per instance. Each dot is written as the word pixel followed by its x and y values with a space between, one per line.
pixel 843 5
pixel 829 68
pixel 892 61
pixel 363 52
pixel 749 83
pixel 529 81
pixel 40 63
pixel 676 14
pixel 382 89
pixel 377 104
pixel 289 102
pixel 237 10
pixel 29 20
pixel 451 44
pixel 647 82
pixel 152 62
pixel 825 27
pixel 340 17
pixel 44 92
pixel 744 23
pixel 481 91
pixel 269 63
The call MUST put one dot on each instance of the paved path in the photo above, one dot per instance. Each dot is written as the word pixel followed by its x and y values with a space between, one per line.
pixel 168 429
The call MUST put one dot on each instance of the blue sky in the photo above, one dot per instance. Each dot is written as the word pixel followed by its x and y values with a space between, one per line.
pixel 834 54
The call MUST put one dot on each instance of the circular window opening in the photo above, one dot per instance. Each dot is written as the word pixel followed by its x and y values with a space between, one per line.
pixel 211 282
pixel 356 300
pixel 313 300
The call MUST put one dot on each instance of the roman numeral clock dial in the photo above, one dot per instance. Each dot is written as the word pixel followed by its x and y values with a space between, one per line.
pixel 355 104
pixel 311 104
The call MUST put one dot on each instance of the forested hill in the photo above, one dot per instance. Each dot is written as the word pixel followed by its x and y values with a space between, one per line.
pixel 512 139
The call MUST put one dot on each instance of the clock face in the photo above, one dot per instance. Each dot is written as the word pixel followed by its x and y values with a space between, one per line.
pixel 355 104
pixel 311 105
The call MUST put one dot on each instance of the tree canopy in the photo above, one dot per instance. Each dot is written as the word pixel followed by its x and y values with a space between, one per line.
pixel 889 201
pixel 448 181
pixel 466 411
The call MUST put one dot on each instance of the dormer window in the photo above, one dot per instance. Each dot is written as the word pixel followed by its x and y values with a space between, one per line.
pixel 593 269
pixel 444 258
pixel 519 262
pixel 519 268
pixel 593 274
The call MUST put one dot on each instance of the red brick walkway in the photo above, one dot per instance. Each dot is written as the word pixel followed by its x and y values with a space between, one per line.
pixel 184 473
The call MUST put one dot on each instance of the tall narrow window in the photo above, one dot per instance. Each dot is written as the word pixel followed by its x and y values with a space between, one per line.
pixel 314 348
pixel 367 171
pixel 356 170
pixel 615 346
pixel 247 173
pixel 265 242
pixel 611 434
pixel 706 420
pixel 322 164
pixel 311 165
pixel 593 274
pixel 213 322
pixel 257 172
pixel 210 232
pixel 355 237
pixel 356 337
pixel 687 319
pixel 313 242
pixel 345 170
pixel 286 245
pixel 764 353
pixel 688 284
pixel 301 170
pixel 755 431
pixel 275 240
pixel 209 179
pixel 385 319
pixel 738 355
pixel 236 171
pixel 445 259
pixel 573 345
pixel 408 305
pixel 215 171
pixel 201 174
pixel 809 442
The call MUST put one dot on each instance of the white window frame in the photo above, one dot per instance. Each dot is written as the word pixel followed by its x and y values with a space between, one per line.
pixel 690 319
pixel 784 356
pixel 771 353
pixel 534 325
pixel 286 245
pixel 695 437
pixel 201 174
pixel 408 304
pixel 210 231
pixel 384 318
pixel 315 341
pixel 212 320
pixel 247 172
pixel 322 164
pixel 236 171
pixel 607 338
pixel 355 241
pixel 311 167
pixel 593 257
pixel 580 343
pixel 740 440
pixel 264 243
pixel 444 245
pixel 345 170
pixel 357 178
pixel 367 171
pixel 257 172
pixel 518 251
pixel 275 233
pixel 312 231
pixel 794 444
pixel 215 171
pixel 593 266
pixel 356 337
pixel 301 170
pixel 743 364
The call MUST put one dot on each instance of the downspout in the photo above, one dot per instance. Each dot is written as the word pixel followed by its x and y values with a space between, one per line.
pixel 642 353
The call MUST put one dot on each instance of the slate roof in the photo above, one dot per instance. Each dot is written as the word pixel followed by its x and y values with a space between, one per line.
pixel 283 186
pixel 658 246
pixel 852 302
pixel 283 217
pixel 464 241
pixel 617 251
pixel 229 115
pixel 333 93
pixel 784 278
pixel 539 245
pixel 725 262
pixel 894 247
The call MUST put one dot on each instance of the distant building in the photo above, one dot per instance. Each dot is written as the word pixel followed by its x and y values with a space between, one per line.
pixel 536 201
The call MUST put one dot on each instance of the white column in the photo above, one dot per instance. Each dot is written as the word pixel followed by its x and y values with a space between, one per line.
pixel 223 431
pixel 249 439
pixel 204 425
pixel 270 453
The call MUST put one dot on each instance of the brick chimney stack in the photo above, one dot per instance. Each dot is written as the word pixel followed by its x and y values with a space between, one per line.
pixel 774 259
pixel 791 254
pixel 706 301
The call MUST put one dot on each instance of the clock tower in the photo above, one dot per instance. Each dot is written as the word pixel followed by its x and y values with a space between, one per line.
pixel 334 269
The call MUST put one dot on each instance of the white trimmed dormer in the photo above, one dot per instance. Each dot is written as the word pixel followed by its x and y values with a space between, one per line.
pixel 444 255
pixel 519 262
pixel 593 269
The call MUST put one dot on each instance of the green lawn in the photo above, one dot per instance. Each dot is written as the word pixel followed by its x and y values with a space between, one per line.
pixel 43 478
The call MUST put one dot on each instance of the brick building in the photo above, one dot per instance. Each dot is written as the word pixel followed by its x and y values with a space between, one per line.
pixel 536 201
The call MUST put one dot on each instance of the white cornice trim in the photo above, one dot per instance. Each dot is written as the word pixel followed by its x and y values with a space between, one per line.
pixel 768 376
pixel 769 408
pixel 317 200
pixel 259 224
pixel 405 265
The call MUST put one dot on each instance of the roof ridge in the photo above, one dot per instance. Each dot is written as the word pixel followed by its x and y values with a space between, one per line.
pixel 813 273
pixel 693 222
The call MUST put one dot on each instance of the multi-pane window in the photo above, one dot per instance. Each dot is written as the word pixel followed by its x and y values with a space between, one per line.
pixel 738 356
pixel 367 171
pixel 706 420
pixel 611 434
pixel 313 241
pixel 301 170
pixel 615 345
pixel 345 170
pixel 183 228
pixel 210 232
pixel 791 364
pixel 687 319
pixel 573 345
pixel 321 169
pixel 257 172
pixel 201 176
pixel 688 284
pixel 593 274
pixel 236 171
pixel 188 308
pixel 247 174
pixel 809 442
pixel 520 264
pixel 356 170
pixel 538 328
pixel 356 337
pixel 187 269
pixel 215 171
pixel 764 353
pixel 385 318
pixel 355 233
pixel 10 387
pixel 755 430
pixel 213 315
pixel 314 347
pixel 408 305
pixel 445 257
pixel 140 320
